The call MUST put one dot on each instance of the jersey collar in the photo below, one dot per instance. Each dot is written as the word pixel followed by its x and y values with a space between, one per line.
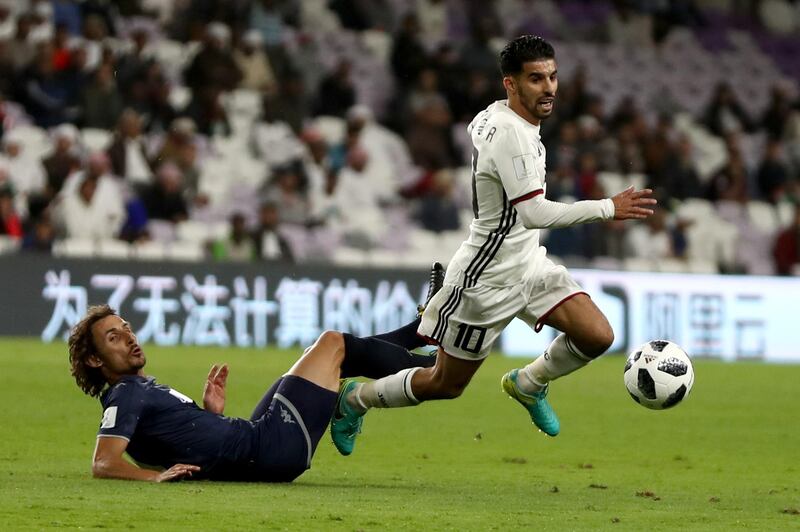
pixel 502 107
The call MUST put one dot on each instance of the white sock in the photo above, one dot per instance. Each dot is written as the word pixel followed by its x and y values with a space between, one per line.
pixel 389 392
pixel 561 358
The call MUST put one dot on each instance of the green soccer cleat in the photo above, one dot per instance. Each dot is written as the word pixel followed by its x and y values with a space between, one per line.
pixel 542 414
pixel 434 285
pixel 345 423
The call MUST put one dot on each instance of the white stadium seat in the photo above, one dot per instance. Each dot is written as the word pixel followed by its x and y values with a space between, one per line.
pixel 185 251
pixel 96 139
pixel 9 244
pixel 113 249
pixel 149 250
pixel 74 247
pixel 346 256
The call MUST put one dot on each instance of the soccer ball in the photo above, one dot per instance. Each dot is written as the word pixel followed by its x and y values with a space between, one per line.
pixel 659 374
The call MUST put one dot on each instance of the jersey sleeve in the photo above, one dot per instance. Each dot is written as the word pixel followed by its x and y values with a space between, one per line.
pixel 517 162
pixel 122 411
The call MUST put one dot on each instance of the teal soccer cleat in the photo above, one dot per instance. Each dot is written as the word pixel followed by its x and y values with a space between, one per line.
pixel 536 404
pixel 345 423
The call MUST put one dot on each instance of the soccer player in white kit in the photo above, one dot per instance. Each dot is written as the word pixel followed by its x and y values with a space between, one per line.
pixel 501 272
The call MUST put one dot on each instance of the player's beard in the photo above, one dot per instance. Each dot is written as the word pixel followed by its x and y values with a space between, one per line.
pixel 531 104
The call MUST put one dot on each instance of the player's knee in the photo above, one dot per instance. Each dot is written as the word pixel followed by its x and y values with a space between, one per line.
pixel 601 340
pixel 331 342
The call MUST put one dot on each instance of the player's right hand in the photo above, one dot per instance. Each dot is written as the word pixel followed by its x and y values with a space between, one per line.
pixel 631 204
pixel 177 472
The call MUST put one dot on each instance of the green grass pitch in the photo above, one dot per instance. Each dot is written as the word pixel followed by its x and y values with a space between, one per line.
pixel 725 459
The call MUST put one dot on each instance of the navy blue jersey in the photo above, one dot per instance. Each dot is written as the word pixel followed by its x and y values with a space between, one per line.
pixel 164 427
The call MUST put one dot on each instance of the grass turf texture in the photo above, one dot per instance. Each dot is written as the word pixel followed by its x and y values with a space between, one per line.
pixel 725 459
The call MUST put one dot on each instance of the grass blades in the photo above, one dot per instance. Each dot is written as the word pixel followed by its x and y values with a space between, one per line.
pixel 727 458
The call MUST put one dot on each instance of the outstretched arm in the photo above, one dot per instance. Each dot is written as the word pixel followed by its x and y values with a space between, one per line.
pixel 537 212
pixel 108 462
pixel 214 389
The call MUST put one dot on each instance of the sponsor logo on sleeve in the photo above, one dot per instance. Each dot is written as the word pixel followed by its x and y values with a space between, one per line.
pixel 525 166
pixel 109 418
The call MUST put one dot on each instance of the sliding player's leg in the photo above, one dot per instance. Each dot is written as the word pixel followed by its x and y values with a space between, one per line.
pixel 454 321
pixel 295 412
pixel 407 336
pixel 378 356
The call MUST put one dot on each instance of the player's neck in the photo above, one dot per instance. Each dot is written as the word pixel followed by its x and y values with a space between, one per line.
pixel 516 105
pixel 112 377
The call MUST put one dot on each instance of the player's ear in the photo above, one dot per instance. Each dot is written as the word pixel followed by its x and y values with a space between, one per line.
pixel 94 361
pixel 510 84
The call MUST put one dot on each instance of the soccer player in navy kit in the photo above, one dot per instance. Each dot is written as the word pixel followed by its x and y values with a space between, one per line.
pixel 159 426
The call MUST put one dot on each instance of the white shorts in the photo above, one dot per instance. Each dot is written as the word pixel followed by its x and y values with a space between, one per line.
pixel 465 322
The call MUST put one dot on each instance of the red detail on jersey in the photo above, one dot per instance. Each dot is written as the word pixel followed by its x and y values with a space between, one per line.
pixel 529 195
pixel 428 339
pixel 540 321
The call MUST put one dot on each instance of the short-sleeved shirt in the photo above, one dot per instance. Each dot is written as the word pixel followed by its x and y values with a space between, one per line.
pixel 164 427
pixel 508 166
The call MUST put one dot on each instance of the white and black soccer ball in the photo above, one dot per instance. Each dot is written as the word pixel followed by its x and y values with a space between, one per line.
pixel 659 374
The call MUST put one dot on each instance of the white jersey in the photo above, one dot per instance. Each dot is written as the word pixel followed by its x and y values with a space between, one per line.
pixel 508 166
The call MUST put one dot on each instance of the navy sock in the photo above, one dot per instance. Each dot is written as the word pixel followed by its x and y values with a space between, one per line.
pixel 406 336
pixel 375 358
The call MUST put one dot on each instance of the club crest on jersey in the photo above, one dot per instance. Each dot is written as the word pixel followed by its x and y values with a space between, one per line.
pixel 524 166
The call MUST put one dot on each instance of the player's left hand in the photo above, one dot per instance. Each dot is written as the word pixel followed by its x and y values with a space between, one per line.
pixel 633 204
pixel 214 389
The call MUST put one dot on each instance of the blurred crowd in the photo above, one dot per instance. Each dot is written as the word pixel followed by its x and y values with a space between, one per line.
pixel 304 128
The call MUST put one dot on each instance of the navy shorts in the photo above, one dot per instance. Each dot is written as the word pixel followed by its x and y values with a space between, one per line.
pixel 288 432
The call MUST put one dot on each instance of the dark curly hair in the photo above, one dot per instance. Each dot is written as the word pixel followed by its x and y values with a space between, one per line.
pixel 81 347
pixel 521 50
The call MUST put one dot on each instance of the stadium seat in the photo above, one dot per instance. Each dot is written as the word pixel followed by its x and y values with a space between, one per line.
pixel 192 231
pixel 763 216
pixel 346 256
pixel 332 129
pixel 9 244
pixel 612 182
pixel 384 258
pixel 448 244
pixel 638 264
pixel 244 102
pixel 606 263
pixel 161 230
pixel 695 210
pixel 34 139
pixel 785 213
pixel 185 251
pixel 74 247
pixel 113 249
pixel 96 139
pixel 670 265
pixel 701 266
pixel 149 250
pixel 422 240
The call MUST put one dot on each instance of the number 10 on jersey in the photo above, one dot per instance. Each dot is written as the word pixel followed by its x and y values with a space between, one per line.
pixel 470 337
